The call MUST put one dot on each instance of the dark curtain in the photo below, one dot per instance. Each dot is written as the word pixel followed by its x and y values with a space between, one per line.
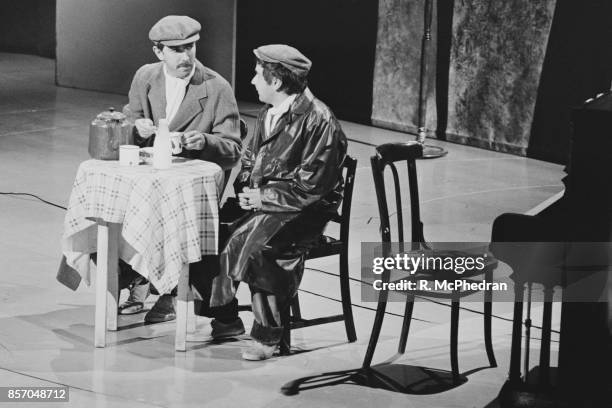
pixel 443 51
pixel 577 66
pixel 339 36
pixel 28 27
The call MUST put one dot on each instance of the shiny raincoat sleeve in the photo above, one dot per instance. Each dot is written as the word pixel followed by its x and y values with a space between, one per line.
pixel 243 179
pixel 316 175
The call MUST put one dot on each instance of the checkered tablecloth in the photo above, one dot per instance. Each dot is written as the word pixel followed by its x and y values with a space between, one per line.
pixel 169 217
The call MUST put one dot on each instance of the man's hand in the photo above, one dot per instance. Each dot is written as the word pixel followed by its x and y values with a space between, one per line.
pixel 250 199
pixel 193 140
pixel 145 127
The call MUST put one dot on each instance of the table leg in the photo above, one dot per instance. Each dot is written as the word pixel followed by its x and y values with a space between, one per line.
pixel 184 298
pixel 106 269
pixel 191 317
pixel 101 287
pixel 112 292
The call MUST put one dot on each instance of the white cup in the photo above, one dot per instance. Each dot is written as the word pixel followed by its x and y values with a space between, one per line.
pixel 176 142
pixel 129 155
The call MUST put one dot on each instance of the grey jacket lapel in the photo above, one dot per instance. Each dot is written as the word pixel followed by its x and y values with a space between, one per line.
pixel 157 95
pixel 194 101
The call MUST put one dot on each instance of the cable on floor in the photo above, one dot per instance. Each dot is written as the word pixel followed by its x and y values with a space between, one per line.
pixel 417 296
pixel 35 196
pixel 354 305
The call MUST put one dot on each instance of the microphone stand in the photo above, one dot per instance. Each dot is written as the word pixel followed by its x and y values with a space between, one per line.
pixel 429 152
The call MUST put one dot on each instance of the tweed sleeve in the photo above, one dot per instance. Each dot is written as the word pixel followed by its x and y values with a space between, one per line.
pixel 222 143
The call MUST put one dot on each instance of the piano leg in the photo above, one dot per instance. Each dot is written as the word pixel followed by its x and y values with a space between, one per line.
pixel 545 342
pixel 514 375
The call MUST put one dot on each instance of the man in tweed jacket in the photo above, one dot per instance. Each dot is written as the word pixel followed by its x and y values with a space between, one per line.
pixel 199 104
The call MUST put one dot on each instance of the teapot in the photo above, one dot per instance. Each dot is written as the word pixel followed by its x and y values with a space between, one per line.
pixel 107 132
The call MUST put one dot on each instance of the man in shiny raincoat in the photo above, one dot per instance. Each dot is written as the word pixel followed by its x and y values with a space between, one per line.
pixel 290 183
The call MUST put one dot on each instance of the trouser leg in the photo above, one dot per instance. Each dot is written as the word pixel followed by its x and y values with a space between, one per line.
pixel 225 314
pixel 201 275
pixel 130 279
pixel 140 289
pixel 267 310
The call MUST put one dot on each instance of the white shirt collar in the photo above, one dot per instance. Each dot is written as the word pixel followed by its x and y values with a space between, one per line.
pixel 176 88
pixel 283 106
pixel 179 80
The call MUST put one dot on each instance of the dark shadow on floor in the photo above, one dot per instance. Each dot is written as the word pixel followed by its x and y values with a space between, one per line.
pixel 530 393
pixel 493 404
pixel 405 379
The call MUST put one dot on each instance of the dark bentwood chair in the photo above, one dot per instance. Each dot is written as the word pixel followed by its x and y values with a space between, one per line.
pixel 329 246
pixel 386 156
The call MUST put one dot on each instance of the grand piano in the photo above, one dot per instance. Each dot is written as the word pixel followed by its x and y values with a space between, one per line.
pixel 583 214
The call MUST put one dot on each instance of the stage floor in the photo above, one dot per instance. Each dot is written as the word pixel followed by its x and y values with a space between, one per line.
pixel 46 335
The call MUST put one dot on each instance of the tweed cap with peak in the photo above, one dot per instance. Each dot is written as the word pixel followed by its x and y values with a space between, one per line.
pixel 285 55
pixel 175 30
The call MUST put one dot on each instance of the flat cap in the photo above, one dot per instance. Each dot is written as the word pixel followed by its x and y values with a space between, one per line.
pixel 285 55
pixel 175 30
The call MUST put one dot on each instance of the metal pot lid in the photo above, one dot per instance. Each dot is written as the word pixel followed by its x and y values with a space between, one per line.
pixel 111 115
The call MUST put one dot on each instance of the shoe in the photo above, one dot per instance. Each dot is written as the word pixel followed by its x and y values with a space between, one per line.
pixel 162 311
pixel 225 330
pixel 258 351
pixel 130 307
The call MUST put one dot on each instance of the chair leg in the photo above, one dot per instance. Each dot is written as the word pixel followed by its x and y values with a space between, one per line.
pixel 488 306
pixel 345 292
pixel 378 321
pixel 406 324
pixel 488 311
pixel 453 337
pixel 296 314
pixel 285 344
pixel 514 375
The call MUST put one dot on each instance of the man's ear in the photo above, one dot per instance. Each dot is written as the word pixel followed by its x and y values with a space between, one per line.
pixel 277 84
pixel 158 53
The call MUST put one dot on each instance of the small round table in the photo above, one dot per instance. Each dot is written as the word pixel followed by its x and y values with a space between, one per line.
pixel 158 221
